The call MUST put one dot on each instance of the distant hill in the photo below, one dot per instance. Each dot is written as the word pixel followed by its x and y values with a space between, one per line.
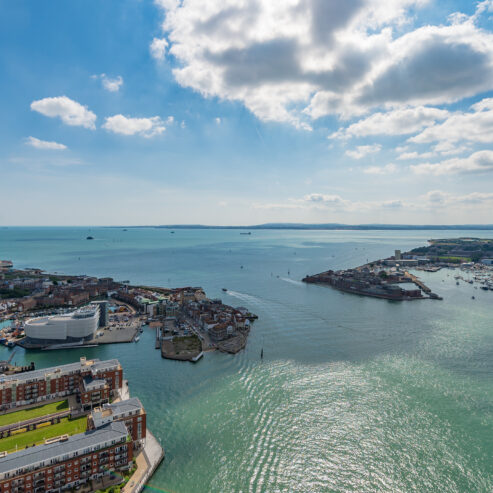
pixel 334 226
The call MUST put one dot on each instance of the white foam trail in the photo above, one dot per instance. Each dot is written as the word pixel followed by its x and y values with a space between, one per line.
pixel 292 281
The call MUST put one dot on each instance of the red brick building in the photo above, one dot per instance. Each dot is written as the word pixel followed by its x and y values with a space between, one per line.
pixel 61 381
pixel 130 411
pixel 67 462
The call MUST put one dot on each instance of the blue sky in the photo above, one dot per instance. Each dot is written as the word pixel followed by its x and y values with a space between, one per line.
pixel 246 112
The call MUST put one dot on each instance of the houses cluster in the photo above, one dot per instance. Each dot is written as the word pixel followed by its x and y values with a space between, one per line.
pixel 29 292
pixel 188 304
pixel 158 301
pixel 218 320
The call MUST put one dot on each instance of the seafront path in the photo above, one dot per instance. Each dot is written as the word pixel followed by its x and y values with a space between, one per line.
pixel 147 462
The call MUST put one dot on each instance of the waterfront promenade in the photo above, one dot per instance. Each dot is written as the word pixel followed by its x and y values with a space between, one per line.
pixel 147 462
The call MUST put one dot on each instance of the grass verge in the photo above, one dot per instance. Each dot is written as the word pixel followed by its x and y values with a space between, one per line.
pixel 34 412
pixel 35 437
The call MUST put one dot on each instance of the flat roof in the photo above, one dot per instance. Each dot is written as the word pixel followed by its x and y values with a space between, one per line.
pixel 130 405
pixel 94 364
pixel 93 384
pixel 76 443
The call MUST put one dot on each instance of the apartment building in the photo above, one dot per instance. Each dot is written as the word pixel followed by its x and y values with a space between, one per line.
pixel 67 462
pixel 94 380
pixel 130 411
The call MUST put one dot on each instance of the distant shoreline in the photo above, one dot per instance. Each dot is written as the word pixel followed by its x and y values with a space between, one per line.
pixel 327 227
pixel 285 226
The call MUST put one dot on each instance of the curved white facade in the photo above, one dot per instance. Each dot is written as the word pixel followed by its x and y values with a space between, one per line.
pixel 81 324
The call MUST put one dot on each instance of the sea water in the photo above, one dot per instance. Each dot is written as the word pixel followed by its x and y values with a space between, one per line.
pixel 353 394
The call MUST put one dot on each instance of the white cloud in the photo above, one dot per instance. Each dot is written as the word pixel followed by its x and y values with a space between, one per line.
pixel 430 201
pixel 158 48
pixel 396 122
pixel 381 170
pixel 217 120
pixel 44 144
pixel 147 127
pixel 416 155
pixel 438 198
pixel 71 112
pixel 480 161
pixel 292 60
pixel 111 84
pixel 362 151
pixel 472 126
pixel 320 198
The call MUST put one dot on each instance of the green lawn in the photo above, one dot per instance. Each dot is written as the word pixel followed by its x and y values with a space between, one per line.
pixel 34 412
pixel 65 427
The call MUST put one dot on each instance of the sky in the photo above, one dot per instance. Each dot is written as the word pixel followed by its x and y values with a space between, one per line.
pixel 242 112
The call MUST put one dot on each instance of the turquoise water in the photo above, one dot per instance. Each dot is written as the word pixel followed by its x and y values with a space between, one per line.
pixel 353 394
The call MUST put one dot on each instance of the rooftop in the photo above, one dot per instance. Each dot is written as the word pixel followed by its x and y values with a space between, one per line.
pixel 46 453
pixel 94 365
pixel 124 407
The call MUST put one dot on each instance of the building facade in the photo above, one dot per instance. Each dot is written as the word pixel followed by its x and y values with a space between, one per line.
pixel 130 411
pixel 78 326
pixel 67 462
pixel 50 383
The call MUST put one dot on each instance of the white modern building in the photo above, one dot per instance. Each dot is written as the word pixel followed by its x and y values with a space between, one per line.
pixel 77 326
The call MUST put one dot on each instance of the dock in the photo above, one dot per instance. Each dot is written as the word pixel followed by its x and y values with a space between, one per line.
pixel 419 283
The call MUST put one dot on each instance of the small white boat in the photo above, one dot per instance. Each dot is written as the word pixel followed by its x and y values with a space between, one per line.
pixel 136 339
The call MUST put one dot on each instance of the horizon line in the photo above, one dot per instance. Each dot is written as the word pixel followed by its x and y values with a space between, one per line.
pixel 274 226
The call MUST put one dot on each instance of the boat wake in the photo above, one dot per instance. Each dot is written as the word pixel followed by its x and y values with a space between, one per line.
pixel 292 281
